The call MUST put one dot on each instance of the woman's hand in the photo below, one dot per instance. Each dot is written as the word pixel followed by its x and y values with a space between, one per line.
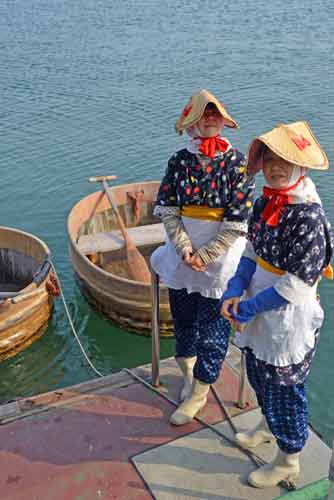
pixel 238 327
pixel 194 261
pixel 197 264
pixel 224 311
pixel 234 302
pixel 187 256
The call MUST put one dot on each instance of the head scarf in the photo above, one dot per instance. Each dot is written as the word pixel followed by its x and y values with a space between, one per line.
pixel 300 189
pixel 208 146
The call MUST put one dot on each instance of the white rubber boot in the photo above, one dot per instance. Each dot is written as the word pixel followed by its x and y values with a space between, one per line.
pixel 285 467
pixel 186 365
pixel 191 406
pixel 260 434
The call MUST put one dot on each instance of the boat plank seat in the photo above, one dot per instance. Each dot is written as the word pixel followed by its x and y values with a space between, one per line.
pixel 151 234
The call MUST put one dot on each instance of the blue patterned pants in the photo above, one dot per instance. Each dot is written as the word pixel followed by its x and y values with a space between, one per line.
pixel 284 406
pixel 200 331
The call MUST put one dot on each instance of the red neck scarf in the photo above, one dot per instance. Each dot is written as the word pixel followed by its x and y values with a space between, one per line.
pixel 209 145
pixel 278 198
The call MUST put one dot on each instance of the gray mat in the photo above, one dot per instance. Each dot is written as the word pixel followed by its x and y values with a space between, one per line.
pixel 203 466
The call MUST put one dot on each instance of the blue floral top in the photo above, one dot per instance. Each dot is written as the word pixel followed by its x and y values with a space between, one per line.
pixel 302 243
pixel 220 183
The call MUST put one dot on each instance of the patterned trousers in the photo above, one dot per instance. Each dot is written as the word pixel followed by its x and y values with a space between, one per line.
pixel 284 406
pixel 200 331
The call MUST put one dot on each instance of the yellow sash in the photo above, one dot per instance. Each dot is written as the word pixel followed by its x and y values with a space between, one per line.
pixel 199 212
pixel 268 267
pixel 326 273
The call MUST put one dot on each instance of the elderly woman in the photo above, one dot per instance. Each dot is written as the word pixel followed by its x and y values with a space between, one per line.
pixel 204 201
pixel 289 247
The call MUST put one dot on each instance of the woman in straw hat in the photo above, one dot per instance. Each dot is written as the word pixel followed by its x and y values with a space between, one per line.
pixel 204 202
pixel 289 247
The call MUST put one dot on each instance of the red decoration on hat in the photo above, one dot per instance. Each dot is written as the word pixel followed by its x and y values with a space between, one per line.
pixel 301 142
pixel 187 110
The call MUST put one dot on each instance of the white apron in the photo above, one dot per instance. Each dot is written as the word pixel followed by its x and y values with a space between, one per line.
pixel 281 336
pixel 174 273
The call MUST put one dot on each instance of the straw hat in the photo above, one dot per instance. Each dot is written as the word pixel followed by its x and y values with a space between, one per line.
pixel 194 110
pixel 294 143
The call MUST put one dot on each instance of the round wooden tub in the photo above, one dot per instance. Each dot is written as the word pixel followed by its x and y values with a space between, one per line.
pixel 24 271
pixel 97 254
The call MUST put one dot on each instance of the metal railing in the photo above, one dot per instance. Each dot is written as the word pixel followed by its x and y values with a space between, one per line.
pixel 155 361
pixel 155 322
pixel 331 476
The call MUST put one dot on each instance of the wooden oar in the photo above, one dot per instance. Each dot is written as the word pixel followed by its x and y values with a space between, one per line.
pixel 138 268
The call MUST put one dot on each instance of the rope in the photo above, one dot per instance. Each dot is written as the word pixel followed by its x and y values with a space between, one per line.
pixel 72 325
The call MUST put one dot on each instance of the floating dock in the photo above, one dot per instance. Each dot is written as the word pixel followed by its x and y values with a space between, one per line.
pixel 110 438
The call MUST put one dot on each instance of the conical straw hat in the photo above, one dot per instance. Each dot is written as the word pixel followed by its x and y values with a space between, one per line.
pixel 194 109
pixel 294 143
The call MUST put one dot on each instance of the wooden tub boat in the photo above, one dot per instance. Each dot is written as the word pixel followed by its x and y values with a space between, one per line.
pixel 25 303
pixel 98 257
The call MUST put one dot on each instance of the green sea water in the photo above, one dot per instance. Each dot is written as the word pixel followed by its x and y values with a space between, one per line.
pixel 94 87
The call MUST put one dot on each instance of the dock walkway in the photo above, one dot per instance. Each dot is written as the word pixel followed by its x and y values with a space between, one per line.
pixel 110 438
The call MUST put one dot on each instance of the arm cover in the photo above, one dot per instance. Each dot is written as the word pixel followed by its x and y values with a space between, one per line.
pixel 229 232
pixel 241 279
pixel 174 227
pixel 266 300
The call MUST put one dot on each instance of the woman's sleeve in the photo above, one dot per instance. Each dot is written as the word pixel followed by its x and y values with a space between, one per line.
pixel 241 191
pixel 305 261
pixel 167 195
pixel 307 252
pixel 168 211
